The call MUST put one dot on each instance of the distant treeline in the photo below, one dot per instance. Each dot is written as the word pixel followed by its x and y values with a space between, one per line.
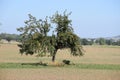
pixel 84 41
pixel 100 41
pixel 9 37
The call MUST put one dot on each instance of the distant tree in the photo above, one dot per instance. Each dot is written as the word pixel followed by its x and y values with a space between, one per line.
pixel 118 42
pixel 35 37
pixel 114 43
pixel 86 41
pixel 109 42
pixel 6 36
pixel 100 41
pixel 92 42
pixel 10 37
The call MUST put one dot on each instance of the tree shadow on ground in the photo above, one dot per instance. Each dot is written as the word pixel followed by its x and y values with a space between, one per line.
pixel 35 64
pixel 52 64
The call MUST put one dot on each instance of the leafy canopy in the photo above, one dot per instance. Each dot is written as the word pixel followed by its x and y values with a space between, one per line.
pixel 35 37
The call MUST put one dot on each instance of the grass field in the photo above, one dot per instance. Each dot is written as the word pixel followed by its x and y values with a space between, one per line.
pixel 98 63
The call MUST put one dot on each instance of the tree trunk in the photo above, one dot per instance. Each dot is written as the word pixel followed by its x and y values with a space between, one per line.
pixel 53 57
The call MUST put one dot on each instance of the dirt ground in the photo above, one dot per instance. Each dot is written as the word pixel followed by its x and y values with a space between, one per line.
pixel 58 74
pixel 93 55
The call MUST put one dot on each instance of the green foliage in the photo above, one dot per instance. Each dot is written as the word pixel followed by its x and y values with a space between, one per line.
pixel 75 66
pixel 63 24
pixel 66 62
pixel 34 34
pixel 86 42
pixel 97 66
pixel 109 42
pixel 10 37
pixel 35 37
pixel 65 36
pixel 101 41
pixel 21 65
pixel 118 42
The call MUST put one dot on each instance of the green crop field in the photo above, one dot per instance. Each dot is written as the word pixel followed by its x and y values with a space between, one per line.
pixel 98 63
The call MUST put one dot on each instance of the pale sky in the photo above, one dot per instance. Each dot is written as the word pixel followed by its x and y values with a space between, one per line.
pixel 90 18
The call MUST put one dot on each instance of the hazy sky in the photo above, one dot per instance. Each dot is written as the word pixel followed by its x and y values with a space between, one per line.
pixel 91 18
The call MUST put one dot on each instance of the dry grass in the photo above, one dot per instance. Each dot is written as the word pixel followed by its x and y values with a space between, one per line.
pixel 94 54
pixel 58 74
pixel 9 53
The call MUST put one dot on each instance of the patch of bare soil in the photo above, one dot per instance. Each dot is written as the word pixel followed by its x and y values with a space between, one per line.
pixel 58 74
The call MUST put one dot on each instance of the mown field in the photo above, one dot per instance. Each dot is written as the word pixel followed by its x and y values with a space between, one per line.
pixel 98 63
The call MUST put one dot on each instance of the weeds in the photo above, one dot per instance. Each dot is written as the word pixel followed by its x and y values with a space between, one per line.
pixel 45 65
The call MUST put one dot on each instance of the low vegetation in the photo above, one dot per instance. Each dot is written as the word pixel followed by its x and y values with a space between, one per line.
pixel 45 65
